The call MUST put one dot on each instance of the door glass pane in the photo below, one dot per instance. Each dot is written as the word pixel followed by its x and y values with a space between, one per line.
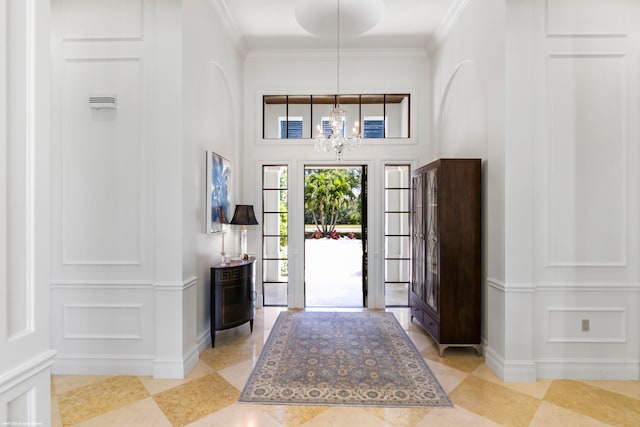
pixel 397 199
pixel 431 239
pixel 275 223
pixel 275 294
pixel 396 223
pixel 417 239
pixel 397 270
pixel 397 247
pixel 273 270
pixel 397 177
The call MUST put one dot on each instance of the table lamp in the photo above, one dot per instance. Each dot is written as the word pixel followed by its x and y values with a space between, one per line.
pixel 244 216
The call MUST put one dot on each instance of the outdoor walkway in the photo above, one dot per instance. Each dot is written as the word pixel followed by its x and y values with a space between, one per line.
pixel 333 273
pixel 333 276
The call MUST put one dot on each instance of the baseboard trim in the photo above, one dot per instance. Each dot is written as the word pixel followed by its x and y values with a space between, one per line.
pixel 588 369
pixel 520 371
pixel 103 364
pixel 176 368
pixel 494 361
pixel 510 370
pixel 204 340
pixel 133 364
pixel 569 369
pixel 192 359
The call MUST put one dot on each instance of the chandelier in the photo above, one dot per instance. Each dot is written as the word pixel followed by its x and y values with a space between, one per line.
pixel 336 140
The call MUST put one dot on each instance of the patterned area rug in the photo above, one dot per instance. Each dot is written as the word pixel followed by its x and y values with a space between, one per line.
pixel 341 358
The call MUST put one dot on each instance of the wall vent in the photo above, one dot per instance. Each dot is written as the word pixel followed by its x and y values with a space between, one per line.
pixel 102 101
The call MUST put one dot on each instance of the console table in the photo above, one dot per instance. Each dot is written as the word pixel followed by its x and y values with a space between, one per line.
pixel 232 295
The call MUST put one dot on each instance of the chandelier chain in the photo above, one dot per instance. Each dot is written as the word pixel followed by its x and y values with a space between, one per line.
pixel 338 56
pixel 337 141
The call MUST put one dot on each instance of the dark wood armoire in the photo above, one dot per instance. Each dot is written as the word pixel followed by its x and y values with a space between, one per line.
pixel 446 251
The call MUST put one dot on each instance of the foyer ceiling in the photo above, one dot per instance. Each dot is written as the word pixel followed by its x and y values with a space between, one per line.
pixel 271 24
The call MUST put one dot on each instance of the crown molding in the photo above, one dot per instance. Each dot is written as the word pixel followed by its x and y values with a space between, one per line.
pixel 229 23
pixel 450 19
pixel 344 53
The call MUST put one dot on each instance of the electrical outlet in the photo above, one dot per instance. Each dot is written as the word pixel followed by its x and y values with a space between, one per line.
pixel 585 325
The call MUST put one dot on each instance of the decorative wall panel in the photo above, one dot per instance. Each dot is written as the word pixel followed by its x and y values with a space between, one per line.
pixel 605 325
pixel 587 116
pixel 19 166
pixel 96 325
pixel 4 163
pixel 595 18
pixel 25 128
pixel 22 406
pixel 103 321
pixel 101 163
pixel 102 19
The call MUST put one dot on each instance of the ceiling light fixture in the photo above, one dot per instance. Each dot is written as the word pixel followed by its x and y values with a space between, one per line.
pixel 356 16
pixel 332 137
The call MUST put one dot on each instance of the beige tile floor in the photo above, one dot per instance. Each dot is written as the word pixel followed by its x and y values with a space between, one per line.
pixel 207 397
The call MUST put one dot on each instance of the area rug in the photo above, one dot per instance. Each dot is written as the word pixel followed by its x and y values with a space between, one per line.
pixel 341 358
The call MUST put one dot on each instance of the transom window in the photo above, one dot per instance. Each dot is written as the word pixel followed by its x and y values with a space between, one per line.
pixel 298 116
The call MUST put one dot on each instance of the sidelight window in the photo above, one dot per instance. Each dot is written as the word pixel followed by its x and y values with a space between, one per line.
pixel 275 236
pixel 397 190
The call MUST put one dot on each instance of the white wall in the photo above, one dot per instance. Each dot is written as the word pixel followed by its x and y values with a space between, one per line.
pixel 25 354
pixel 558 132
pixel 103 192
pixel 570 204
pixel 468 116
pixel 585 262
pixel 130 258
pixel 212 117
pixel 305 73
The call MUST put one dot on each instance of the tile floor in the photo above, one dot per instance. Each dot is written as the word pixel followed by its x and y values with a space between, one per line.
pixel 207 397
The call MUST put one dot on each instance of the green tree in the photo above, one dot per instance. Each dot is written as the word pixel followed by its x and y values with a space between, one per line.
pixel 329 193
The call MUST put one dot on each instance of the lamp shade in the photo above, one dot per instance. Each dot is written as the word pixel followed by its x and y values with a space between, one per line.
pixel 244 215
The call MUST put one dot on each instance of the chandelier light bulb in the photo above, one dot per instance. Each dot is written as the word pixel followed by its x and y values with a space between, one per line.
pixel 337 119
pixel 336 140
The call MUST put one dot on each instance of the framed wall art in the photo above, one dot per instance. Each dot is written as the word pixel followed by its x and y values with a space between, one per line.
pixel 217 196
